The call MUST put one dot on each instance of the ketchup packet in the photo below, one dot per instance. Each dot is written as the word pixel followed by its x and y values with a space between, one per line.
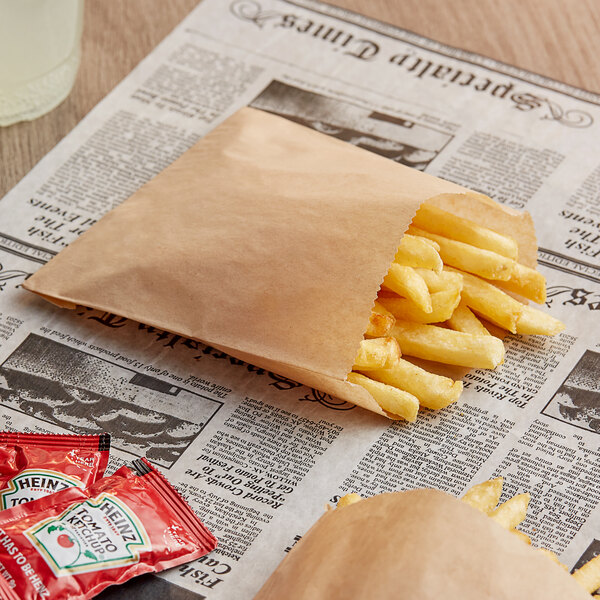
pixel 73 544
pixel 33 465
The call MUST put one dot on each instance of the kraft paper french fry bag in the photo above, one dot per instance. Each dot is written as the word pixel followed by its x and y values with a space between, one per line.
pixel 421 545
pixel 266 240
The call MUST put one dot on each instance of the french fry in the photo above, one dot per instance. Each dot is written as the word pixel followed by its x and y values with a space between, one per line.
pixel 377 353
pixel 395 401
pixel 490 302
pixel 484 496
pixel 438 282
pixel 433 391
pixel 466 297
pixel 406 282
pixel 512 512
pixel 443 304
pixel 416 251
pixel 462 319
pixel 381 321
pixel 526 282
pixel 431 243
pixel 448 346
pixel 348 499
pixel 588 576
pixel 435 220
pixel 465 257
pixel 536 322
pixel 380 309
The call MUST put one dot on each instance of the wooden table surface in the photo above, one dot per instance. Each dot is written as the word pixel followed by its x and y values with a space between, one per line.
pixel 556 38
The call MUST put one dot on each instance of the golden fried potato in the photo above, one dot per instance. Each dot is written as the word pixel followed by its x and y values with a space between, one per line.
pixel 490 302
pixel 471 259
pixel 588 576
pixel 447 346
pixel 405 281
pixel 512 512
pixel 534 321
pixel 526 282
pixel 464 320
pixel 393 400
pixel 348 499
pixel 435 220
pixel 432 391
pixel 415 251
pixel 381 321
pixel 443 304
pixel 377 353
pixel 484 496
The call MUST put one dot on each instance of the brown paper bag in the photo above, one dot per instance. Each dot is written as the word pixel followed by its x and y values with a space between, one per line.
pixel 417 545
pixel 267 240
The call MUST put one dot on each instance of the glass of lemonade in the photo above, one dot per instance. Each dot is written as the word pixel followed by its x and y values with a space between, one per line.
pixel 39 55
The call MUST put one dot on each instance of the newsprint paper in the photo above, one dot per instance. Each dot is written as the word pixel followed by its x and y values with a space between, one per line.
pixel 258 456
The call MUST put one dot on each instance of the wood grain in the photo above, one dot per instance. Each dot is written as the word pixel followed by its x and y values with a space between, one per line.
pixel 556 38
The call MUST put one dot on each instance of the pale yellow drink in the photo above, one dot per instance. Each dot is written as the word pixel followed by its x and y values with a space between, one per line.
pixel 39 55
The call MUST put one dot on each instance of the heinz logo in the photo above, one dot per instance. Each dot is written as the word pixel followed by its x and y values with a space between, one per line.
pixel 32 484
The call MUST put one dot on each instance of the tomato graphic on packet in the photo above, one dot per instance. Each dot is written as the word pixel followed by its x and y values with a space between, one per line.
pixel 68 549
pixel 65 541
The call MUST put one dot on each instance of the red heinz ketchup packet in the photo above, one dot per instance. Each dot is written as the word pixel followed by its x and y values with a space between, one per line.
pixel 73 544
pixel 33 465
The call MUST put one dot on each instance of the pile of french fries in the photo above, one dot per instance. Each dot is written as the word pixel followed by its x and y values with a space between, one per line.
pixel 451 285
pixel 485 497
